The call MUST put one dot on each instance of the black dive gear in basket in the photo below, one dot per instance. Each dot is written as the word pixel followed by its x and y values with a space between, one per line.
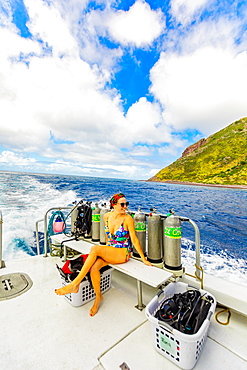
pixel 71 269
pixel 185 311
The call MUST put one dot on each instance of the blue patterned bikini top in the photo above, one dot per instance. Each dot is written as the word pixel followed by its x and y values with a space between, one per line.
pixel 120 239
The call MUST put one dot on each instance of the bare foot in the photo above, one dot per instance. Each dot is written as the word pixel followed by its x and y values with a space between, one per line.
pixel 70 288
pixel 96 305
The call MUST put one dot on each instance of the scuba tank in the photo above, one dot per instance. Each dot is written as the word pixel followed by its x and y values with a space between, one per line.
pixel 140 229
pixel 172 244
pixel 154 238
pixel 103 211
pixel 95 223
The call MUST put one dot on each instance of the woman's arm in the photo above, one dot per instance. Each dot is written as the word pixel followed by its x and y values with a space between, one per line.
pixel 135 241
pixel 105 218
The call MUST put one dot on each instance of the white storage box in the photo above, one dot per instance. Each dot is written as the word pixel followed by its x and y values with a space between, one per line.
pixel 180 348
pixel 86 293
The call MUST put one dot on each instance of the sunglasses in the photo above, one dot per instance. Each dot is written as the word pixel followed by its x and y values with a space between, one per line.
pixel 124 204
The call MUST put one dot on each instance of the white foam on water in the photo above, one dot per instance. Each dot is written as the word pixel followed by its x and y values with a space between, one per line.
pixel 26 202
pixel 219 265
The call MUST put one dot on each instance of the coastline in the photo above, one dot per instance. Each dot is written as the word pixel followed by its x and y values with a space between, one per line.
pixel 240 187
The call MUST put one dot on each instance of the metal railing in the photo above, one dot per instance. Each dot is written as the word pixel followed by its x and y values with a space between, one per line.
pixel 46 229
pixel 199 270
pixel 37 234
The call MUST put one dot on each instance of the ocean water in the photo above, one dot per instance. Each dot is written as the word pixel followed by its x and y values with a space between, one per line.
pixel 220 214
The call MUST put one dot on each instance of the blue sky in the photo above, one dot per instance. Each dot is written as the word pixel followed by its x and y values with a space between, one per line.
pixel 116 88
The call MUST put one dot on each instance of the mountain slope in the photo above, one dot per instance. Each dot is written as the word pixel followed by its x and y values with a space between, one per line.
pixel 219 159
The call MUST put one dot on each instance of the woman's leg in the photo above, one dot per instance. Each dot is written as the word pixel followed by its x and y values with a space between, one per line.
pixel 108 254
pixel 95 277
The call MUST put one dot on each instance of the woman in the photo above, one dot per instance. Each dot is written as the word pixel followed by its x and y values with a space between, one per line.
pixel 120 232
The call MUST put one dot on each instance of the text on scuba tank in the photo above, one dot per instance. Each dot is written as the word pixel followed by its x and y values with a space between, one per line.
pixel 96 218
pixel 140 226
pixel 173 232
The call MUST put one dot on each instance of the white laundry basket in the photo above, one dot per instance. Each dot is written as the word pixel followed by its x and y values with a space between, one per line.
pixel 86 293
pixel 182 349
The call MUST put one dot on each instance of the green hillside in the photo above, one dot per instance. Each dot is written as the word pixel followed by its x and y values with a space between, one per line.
pixel 219 159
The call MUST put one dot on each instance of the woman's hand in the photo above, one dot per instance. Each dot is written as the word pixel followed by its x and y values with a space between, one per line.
pixel 147 262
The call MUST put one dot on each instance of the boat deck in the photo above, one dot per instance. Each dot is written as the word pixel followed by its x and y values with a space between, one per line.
pixel 40 330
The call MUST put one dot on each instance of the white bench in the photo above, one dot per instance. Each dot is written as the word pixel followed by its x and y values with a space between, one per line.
pixel 149 275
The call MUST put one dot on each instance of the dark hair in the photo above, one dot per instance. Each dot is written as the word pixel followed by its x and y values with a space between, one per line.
pixel 115 198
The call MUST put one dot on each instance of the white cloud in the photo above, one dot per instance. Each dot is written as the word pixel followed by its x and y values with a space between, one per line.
pixel 87 31
pixel 173 149
pixel 145 123
pixel 13 159
pixel 6 14
pixel 203 86
pixel 220 33
pixel 65 166
pixel 47 24
pixel 184 10
pixel 152 172
pixel 139 26
pixel 141 151
pixel 47 94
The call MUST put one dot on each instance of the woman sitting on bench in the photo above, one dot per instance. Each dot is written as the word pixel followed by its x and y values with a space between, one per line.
pixel 120 232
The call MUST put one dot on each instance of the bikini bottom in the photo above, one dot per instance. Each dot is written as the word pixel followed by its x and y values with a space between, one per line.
pixel 128 253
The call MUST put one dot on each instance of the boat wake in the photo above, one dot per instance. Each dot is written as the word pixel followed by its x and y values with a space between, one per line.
pixel 217 263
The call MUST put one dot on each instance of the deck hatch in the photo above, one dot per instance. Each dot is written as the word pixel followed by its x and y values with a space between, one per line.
pixel 13 285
